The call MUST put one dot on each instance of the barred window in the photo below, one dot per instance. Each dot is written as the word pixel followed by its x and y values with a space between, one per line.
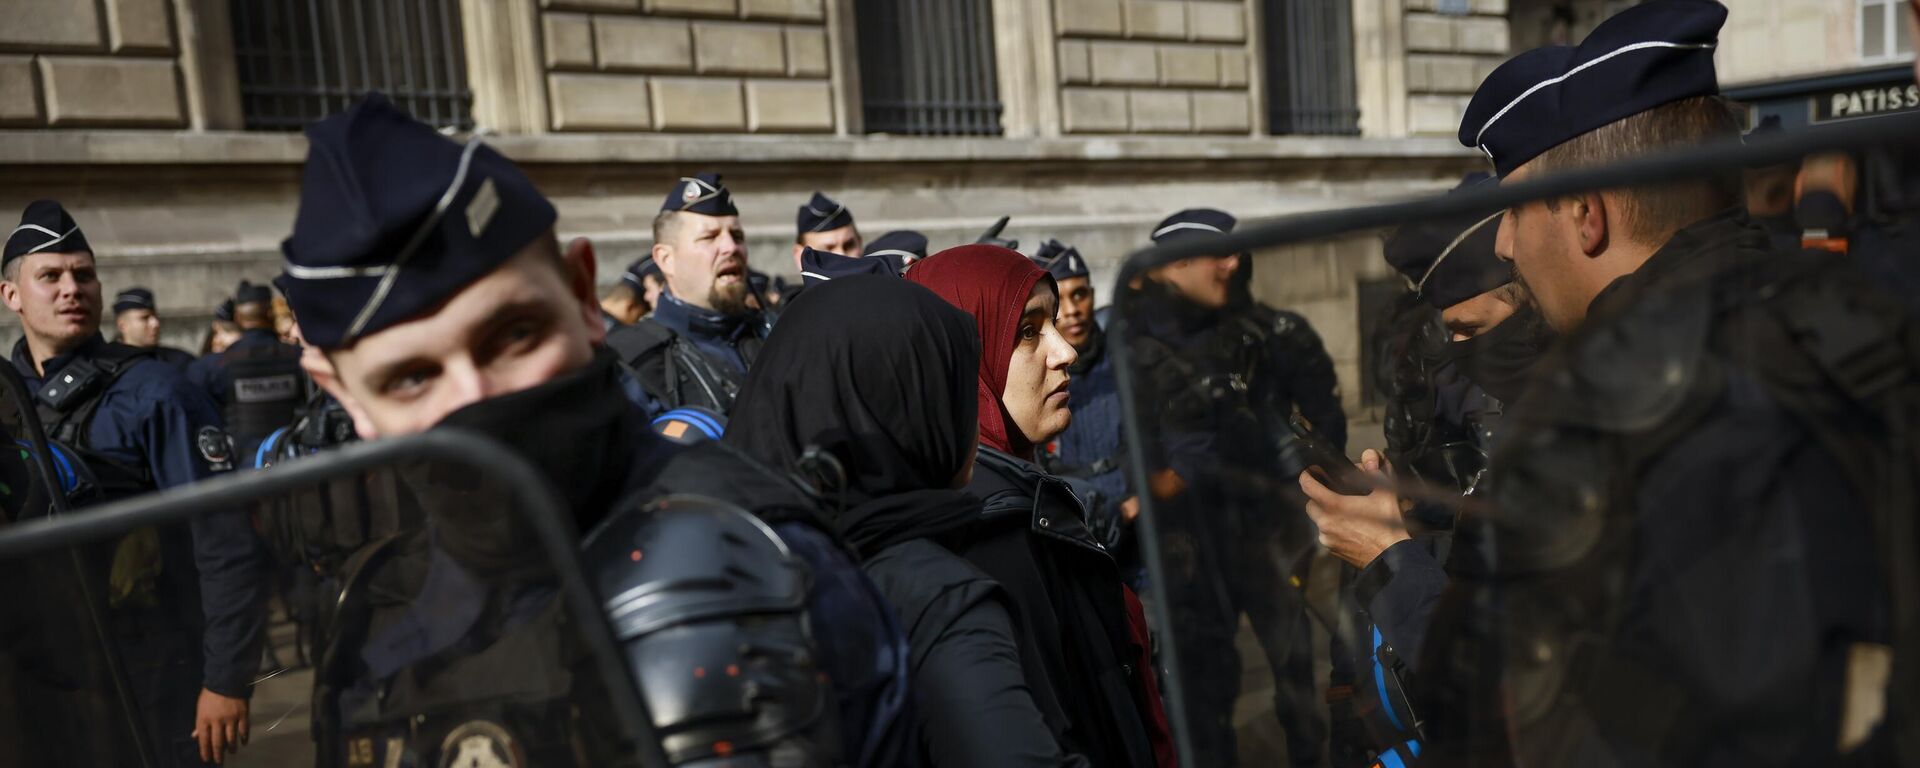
pixel 301 60
pixel 927 68
pixel 1309 64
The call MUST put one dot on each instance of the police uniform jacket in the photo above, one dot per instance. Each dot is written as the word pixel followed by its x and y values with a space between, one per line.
pixel 1684 565
pixel 150 418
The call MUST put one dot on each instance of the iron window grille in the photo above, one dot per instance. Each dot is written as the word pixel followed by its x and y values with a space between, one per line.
pixel 301 60
pixel 927 67
pixel 1309 67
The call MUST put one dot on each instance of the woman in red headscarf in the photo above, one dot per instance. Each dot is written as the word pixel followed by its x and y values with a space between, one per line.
pixel 1081 637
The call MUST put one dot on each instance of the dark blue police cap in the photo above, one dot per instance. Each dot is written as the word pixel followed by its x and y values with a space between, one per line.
pixel 395 218
pixel 700 193
pixel 1648 55
pixel 44 227
pixel 1192 223
pixel 821 214
pixel 1060 260
pixel 1451 260
pixel 636 273
pixel 899 248
pixel 820 266
pixel 250 293
pixel 133 298
pixel 225 312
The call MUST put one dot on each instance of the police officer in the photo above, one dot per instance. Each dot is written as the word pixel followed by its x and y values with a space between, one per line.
pixel 1471 341
pixel 222 331
pixel 1696 504
pixel 1214 408
pixel 187 605
pixel 137 319
pixel 446 300
pixel 626 302
pixel 1089 451
pixel 825 225
pixel 696 346
pixel 256 380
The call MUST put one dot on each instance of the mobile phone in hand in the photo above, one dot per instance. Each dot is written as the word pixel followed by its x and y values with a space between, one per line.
pixel 1331 467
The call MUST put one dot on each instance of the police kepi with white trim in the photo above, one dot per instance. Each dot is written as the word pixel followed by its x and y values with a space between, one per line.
pixel 44 227
pixel 818 266
pixel 395 218
pixel 700 193
pixel 900 248
pixel 1192 223
pixel 822 214
pixel 1452 259
pixel 1645 56
pixel 1060 260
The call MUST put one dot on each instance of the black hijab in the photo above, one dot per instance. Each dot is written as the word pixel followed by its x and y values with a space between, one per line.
pixel 879 374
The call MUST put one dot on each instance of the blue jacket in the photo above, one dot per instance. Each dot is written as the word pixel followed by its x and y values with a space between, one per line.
pixel 1093 437
pixel 720 336
pixel 150 417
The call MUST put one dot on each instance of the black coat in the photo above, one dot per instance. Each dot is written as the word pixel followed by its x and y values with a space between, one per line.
pixel 1068 608
pixel 971 697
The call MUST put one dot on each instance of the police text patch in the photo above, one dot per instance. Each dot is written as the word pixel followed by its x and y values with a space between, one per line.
pixel 266 389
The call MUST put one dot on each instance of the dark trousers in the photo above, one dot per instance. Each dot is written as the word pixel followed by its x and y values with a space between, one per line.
pixel 1223 563
pixel 162 664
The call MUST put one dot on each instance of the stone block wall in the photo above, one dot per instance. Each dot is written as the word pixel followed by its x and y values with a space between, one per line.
pixel 1448 54
pixel 1153 66
pixel 111 64
pixel 708 66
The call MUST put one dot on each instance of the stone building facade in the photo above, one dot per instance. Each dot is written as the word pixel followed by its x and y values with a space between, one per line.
pixel 1112 114
pixel 1106 116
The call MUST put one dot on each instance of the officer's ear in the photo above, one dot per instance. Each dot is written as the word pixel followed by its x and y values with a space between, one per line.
pixel 1590 219
pixel 581 270
pixel 663 257
pixel 320 368
pixel 10 293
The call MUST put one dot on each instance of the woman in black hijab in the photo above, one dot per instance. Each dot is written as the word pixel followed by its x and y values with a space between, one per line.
pixel 865 390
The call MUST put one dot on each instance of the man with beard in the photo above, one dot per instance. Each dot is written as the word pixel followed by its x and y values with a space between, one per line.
pixel 702 336
pixel 187 603
pixel 1467 348
pixel 1699 544
pixel 137 319
pixel 428 277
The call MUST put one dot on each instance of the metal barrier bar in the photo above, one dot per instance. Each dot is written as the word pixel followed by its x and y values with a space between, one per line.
pixel 1673 165
pixel 535 498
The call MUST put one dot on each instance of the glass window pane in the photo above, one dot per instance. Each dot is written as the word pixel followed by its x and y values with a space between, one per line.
pixel 1903 30
pixel 1873 31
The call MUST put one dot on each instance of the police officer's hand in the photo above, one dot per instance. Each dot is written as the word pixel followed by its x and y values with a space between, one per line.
pixel 1130 508
pixel 220 724
pixel 1356 528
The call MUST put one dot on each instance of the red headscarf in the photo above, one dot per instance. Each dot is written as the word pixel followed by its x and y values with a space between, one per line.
pixel 992 284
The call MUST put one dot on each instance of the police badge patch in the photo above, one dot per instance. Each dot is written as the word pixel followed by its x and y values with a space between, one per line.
pixel 216 448
pixel 480 744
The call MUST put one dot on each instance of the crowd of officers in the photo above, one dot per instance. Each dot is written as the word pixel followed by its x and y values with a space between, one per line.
pixel 1646 498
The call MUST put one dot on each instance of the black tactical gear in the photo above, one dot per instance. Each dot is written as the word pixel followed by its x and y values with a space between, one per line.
pixel 712 610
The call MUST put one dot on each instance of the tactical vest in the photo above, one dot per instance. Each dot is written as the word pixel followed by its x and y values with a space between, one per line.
pixel 672 370
pixel 67 403
pixel 1841 365
pixel 265 388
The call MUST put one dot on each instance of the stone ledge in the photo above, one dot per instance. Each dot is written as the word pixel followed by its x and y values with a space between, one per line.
pixel 147 147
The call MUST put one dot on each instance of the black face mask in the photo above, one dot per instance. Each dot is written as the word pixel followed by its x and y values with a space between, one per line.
pixel 1500 359
pixel 568 428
